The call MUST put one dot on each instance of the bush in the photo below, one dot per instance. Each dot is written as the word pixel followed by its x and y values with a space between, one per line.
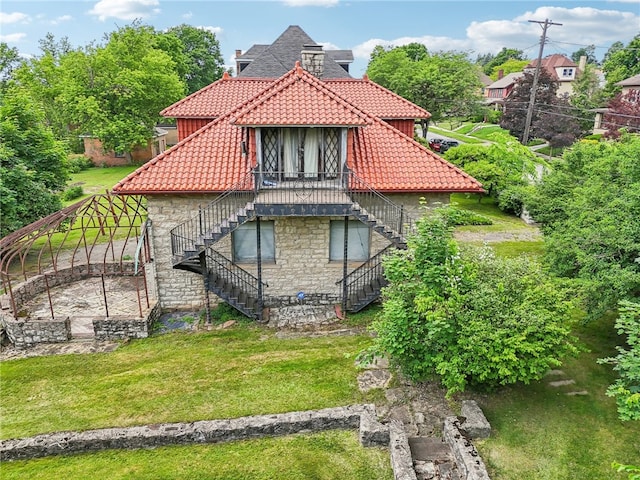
pixel 78 163
pixel 72 193
pixel 456 216
pixel 468 316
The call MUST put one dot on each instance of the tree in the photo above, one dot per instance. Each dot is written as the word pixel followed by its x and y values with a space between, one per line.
pixel 467 316
pixel 32 163
pixel 626 390
pixel 557 125
pixel 623 114
pixel 588 206
pixel 589 52
pixel 503 166
pixel 517 103
pixel 9 60
pixel 115 92
pixel 620 64
pixel 443 83
pixel 587 95
pixel 204 62
pixel 510 66
pixel 503 57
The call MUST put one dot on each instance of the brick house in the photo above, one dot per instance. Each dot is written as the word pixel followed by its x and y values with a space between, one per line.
pixel 287 188
pixel 94 150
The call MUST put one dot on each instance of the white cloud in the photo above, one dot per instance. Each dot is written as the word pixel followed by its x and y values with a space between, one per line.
pixel 310 3
pixel 61 19
pixel 15 17
pixel 12 37
pixel 215 30
pixel 581 26
pixel 125 9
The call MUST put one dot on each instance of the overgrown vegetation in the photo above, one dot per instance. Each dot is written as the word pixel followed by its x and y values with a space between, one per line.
pixel 468 316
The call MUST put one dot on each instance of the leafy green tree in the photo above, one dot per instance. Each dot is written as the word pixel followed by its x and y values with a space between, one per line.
pixel 502 166
pixel 587 95
pixel 510 66
pixel 588 206
pixel 443 83
pixel 589 52
pixel 620 64
pixel 9 60
pixel 626 390
pixel 502 57
pixel 115 92
pixel 32 163
pixel 204 62
pixel 467 316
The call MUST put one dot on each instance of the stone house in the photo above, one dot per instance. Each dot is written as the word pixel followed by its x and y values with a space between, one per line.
pixel 289 189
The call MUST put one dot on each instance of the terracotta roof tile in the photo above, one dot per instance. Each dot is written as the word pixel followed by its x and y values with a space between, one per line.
pixel 299 98
pixel 218 98
pixel 377 100
pixel 389 161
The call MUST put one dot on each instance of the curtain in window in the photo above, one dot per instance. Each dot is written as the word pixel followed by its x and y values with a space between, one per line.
pixel 311 143
pixel 290 138
pixel 357 243
pixel 245 246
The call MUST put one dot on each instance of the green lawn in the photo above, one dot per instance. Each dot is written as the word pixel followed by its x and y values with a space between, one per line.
pixel 99 179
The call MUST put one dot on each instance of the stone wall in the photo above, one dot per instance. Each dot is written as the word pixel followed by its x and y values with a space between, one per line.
pixel 24 334
pixel 122 327
pixel 468 460
pixel 372 433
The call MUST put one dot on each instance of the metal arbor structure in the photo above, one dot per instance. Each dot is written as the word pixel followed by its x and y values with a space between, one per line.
pixel 104 234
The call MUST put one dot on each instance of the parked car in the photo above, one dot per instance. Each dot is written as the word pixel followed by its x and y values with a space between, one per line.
pixel 447 144
pixel 434 144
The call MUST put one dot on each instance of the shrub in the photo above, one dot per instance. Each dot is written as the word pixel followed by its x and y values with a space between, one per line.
pixel 78 163
pixel 72 193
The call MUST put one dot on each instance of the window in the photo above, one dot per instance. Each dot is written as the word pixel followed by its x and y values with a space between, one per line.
pixel 357 243
pixel 245 246
pixel 567 72
pixel 289 153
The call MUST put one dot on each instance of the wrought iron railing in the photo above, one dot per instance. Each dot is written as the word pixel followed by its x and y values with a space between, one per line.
pixel 379 208
pixel 362 285
pixel 232 283
pixel 220 216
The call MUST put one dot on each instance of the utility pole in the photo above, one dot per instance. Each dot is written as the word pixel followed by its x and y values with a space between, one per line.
pixel 534 86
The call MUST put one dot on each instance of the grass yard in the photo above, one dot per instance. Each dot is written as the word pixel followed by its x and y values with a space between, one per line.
pixel 99 179
pixel 320 456
pixel 541 433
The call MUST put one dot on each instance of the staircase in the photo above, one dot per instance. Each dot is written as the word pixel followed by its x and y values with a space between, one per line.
pixel 192 241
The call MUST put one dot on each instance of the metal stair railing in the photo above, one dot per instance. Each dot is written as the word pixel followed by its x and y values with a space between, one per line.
pixel 363 284
pixel 390 218
pixel 233 284
pixel 214 221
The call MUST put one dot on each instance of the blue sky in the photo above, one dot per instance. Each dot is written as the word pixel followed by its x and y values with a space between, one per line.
pixel 475 26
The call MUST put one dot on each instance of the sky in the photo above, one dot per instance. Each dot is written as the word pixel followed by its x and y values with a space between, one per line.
pixel 477 27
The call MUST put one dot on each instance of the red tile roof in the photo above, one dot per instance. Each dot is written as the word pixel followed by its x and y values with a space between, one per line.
pixel 389 161
pixel 377 100
pixel 218 98
pixel 211 160
pixel 298 98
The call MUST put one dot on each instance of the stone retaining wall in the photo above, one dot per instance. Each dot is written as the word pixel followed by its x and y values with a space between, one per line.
pixel 207 431
pixel 470 465
pixel 121 327
pixel 24 334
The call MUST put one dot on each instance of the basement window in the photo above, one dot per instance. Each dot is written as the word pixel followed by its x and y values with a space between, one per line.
pixel 357 243
pixel 245 246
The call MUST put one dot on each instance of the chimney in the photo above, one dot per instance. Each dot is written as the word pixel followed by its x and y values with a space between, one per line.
pixel 583 63
pixel 500 74
pixel 238 54
pixel 313 59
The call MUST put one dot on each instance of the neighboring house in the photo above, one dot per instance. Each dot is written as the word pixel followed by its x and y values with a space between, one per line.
pixel 627 85
pixel 498 91
pixel 287 190
pixel 562 69
pixel 93 149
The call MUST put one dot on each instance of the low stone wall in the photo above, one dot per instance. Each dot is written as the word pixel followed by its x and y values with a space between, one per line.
pixel 207 431
pixel 24 334
pixel 470 465
pixel 122 327
pixel 400 452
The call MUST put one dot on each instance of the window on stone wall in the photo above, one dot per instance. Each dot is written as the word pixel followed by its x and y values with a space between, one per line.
pixel 245 246
pixel 357 241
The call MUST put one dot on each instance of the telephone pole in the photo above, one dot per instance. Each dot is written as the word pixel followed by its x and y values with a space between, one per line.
pixel 534 86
